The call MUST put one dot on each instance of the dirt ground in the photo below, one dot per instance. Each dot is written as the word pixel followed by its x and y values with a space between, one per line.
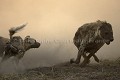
pixel 105 70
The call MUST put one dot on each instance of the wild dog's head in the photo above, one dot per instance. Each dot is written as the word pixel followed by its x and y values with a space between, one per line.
pixel 106 32
pixel 30 43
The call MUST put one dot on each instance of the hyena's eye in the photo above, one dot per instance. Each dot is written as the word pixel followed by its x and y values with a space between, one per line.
pixel 106 33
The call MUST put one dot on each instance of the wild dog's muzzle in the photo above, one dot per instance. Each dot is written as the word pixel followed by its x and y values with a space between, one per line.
pixel 36 45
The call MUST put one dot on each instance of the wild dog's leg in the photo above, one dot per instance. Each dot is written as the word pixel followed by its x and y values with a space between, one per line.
pixel 18 57
pixel 80 52
pixel 5 57
pixel 16 60
pixel 7 52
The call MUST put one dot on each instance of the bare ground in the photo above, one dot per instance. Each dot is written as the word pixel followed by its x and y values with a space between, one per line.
pixel 105 70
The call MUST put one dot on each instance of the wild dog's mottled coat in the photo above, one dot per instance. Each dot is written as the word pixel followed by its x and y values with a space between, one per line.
pixel 16 46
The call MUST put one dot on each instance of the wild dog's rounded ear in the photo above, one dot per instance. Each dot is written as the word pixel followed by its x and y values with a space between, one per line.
pixel 26 38
pixel 105 21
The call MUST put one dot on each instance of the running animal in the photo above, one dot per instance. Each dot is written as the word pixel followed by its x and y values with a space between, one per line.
pixel 89 38
pixel 16 46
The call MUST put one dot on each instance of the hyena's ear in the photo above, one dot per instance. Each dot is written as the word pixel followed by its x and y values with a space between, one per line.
pixel 100 24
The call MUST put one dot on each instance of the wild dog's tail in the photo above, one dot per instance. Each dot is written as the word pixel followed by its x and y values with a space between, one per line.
pixel 14 30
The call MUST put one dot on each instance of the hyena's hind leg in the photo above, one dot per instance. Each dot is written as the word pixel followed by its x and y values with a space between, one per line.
pixel 94 56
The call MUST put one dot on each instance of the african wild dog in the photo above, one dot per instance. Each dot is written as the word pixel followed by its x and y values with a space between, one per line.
pixel 16 46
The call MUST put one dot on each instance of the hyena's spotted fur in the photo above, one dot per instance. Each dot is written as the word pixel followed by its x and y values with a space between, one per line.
pixel 89 38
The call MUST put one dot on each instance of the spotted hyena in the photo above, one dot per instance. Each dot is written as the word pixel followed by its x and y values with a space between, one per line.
pixel 89 38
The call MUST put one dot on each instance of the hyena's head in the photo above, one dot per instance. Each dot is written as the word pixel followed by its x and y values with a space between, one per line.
pixel 106 32
pixel 30 43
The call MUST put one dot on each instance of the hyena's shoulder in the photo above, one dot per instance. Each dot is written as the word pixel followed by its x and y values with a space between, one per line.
pixel 86 29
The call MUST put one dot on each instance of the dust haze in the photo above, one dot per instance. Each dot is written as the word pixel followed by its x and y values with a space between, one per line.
pixel 54 23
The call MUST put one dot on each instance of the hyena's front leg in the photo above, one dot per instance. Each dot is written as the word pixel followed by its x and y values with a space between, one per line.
pixel 85 56
pixel 80 53
pixel 94 56
pixel 83 64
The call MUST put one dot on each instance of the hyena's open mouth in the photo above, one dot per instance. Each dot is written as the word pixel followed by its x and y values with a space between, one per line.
pixel 108 41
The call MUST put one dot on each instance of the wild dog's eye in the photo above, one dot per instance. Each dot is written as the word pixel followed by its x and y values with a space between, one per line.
pixel 15 40
pixel 29 42
pixel 33 41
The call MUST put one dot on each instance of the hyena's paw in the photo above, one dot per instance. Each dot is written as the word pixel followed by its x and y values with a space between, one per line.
pixel 72 61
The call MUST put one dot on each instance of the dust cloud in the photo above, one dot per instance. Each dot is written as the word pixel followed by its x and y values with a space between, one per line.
pixel 57 20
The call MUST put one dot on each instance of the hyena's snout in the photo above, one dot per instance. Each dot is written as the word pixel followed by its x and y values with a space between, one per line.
pixel 112 39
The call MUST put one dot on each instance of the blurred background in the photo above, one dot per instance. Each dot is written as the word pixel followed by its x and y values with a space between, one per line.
pixel 54 23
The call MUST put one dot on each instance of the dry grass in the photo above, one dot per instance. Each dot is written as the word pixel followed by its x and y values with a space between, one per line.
pixel 106 70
